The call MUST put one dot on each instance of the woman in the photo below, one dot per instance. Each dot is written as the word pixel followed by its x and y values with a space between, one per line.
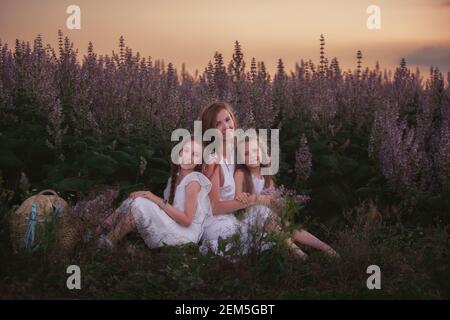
pixel 223 223
pixel 178 218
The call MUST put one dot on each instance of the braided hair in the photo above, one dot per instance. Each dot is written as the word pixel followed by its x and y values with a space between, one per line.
pixel 173 178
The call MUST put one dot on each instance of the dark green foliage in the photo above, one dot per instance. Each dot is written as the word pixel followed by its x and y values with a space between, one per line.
pixel 413 260
pixel 116 132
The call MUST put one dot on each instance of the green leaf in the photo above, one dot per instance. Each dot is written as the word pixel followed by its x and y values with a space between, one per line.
pixel 157 176
pixel 347 165
pixel 102 163
pixel 328 161
pixel 158 163
pixel 9 161
pixel 123 158
pixel 73 184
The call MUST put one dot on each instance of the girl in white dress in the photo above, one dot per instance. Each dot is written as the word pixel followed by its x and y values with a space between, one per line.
pixel 249 181
pixel 178 218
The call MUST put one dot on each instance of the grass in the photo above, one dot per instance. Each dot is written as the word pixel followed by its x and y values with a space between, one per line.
pixel 414 263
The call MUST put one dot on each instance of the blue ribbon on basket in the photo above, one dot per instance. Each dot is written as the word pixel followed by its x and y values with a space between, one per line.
pixel 32 221
pixel 31 229
pixel 57 210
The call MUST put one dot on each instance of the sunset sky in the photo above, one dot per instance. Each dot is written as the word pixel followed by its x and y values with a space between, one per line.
pixel 190 31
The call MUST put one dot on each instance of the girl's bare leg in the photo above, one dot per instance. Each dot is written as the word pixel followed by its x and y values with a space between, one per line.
pixel 109 222
pixel 273 226
pixel 306 238
pixel 122 228
pixel 296 250
pixel 112 219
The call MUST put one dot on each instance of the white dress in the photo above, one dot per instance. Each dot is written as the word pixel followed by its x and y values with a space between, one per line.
pixel 221 225
pixel 256 216
pixel 253 236
pixel 258 184
pixel 157 228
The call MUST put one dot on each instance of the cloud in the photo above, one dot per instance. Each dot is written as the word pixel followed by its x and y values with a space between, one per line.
pixel 437 56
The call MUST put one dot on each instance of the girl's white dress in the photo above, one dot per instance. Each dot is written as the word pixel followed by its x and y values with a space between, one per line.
pixel 255 217
pixel 157 228
pixel 253 236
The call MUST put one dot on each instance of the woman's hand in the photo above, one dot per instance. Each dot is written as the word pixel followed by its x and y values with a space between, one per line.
pixel 247 199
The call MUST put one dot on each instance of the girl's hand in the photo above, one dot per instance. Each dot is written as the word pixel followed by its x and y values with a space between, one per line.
pixel 252 200
pixel 243 197
pixel 264 200
pixel 136 194
pixel 144 194
pixel 152 197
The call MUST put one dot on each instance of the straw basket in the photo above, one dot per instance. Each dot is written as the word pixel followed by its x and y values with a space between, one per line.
pixel 70 234
pixel 29 220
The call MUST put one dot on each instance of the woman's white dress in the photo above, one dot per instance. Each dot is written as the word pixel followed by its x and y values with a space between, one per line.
pixel 221 225
pixel 250 229
pixel 157 228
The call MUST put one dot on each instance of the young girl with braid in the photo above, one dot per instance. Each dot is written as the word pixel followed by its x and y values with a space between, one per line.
pixel 178 218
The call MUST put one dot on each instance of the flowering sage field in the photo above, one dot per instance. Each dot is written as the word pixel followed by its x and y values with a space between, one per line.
pixel 369 147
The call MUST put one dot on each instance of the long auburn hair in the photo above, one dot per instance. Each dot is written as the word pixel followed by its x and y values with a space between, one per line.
pixel 175 169
pixel 210 112
pixel 248 181
pixel 208 118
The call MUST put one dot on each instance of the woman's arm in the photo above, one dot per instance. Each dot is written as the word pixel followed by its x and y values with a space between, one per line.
pixel 239 181
pixel 243 197
pixel 249 199
pixel 219 206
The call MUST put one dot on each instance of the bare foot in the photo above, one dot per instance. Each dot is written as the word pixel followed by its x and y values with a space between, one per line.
pixel 332 253
pixel 300 254
pixel 103 243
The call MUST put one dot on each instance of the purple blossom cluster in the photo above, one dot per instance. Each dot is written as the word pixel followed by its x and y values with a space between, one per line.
pixel 286 203
pixel 280 193
pixel 303 160
pixel 97 207
pixel 124 92
pixel 410 133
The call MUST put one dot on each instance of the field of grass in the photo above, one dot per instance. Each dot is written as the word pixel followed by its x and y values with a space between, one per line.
pixel 414 264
